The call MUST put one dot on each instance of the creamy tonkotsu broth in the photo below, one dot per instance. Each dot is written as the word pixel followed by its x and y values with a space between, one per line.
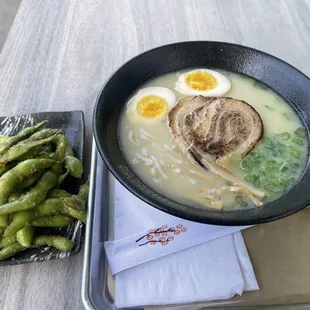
pixel 272 167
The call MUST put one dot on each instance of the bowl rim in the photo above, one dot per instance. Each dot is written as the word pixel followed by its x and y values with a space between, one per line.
pixel 183 213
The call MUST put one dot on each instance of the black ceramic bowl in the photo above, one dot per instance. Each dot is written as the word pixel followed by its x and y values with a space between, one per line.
pixel 284 79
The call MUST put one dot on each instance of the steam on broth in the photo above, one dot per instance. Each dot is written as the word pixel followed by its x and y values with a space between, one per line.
pixel 272 167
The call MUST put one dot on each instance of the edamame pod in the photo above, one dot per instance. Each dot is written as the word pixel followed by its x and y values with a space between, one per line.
pixel 41 151
pixel 23 134
pixel 74 166
pixel 18 221
pixel 16 195
pixel 29 181
pixel 5 241
pixel 84 190
pixel 25 169
pixel 78 202
pixel 25 236
pixel 50 206
pixel 6 168
pixel 60 153
pixel 61 243
pixel 62 177
pixel 4 220
pixel 31 154
pixel 43 134
pixel 58 220
pixel 74 202
pixel 58 193
pixel 11 250
pixel 79 215
pixel 3 138
pixel 21 148
pixel 34 197
pixel 69 151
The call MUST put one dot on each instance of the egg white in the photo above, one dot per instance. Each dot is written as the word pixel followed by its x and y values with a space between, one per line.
pixel 223 84
pixel 162 92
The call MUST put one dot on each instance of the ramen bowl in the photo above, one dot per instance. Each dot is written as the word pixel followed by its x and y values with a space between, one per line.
pixel 286 81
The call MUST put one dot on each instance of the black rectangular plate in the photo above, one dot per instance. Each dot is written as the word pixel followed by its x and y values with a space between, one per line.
pixel 72 123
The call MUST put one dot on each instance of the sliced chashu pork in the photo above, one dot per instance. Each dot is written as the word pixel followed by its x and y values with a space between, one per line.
pixel 184 118
pixel 211 129
pixel 218 126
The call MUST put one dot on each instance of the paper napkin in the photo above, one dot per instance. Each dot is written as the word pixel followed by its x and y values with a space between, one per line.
pixel 160 259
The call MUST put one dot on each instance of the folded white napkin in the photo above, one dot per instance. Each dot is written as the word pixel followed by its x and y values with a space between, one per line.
pixel 217 269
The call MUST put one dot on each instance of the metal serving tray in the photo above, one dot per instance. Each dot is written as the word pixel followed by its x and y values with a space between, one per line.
pixel 280 253
pixel 96 285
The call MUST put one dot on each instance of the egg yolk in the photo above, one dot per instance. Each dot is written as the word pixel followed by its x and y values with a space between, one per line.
pixel 152 106
pixel 200 80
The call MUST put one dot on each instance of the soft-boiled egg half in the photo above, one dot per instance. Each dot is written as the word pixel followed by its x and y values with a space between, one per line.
pixel 203 82
pixel 151 104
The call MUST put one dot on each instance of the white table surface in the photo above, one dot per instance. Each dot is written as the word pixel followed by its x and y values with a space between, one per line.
pixel 60 52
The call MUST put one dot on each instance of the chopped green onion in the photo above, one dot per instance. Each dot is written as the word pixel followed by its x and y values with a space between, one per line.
pixel 256 163
pixel 298 141
pixel 301 132
pixel 282 148
pixel 295 152
pixel 270 164
pixel 283 183
pixel 287 115
pixel 275 163
pixel 283 168
pixel 269 148
pixel 275 187
pixel 249 178
pixel 285 136
pixel 239 199
pixel 262 170
pixel 244 164
pixel 269 108
pixel 253 154
pixel 257 181
pixel 267 141
pixel 241 202
pixel 230 206
pixel 278 100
